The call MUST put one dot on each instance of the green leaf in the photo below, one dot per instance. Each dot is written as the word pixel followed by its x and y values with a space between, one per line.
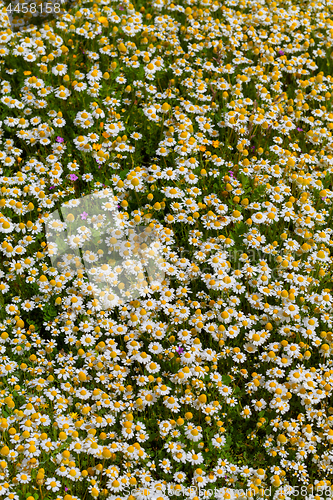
pixel 228 442
pixel 123 173
pixel 226 379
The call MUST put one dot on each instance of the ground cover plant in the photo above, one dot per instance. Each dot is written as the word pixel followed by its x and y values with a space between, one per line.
pixel 210 122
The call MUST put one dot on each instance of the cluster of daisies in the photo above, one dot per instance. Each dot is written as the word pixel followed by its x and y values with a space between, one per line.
pixel 209 124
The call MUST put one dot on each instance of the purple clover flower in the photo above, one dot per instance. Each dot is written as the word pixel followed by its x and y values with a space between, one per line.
pixel 73 177
pixel 299 129
pixel 179 350
pixel 281 53
pixel 59 139
pixel 231 173
pixel 51 187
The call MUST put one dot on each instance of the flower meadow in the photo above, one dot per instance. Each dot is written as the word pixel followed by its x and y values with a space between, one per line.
pixel 209 123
